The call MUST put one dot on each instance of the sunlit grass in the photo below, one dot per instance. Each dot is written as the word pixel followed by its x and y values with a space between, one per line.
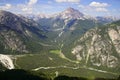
pixel 55 51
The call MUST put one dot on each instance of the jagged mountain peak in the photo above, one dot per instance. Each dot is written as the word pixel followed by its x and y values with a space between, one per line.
pixel 4 14
pixel 70 13
pixel 70 9
pixel 2 11
pixel 11 20
pixel 14 21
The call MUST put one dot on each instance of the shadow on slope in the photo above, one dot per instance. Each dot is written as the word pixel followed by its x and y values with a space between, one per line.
pixel 18 74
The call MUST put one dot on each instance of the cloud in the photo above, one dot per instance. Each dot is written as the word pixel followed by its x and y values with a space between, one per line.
pixel 101 10
pixel 6 7
pixel 94 7
pixel 28 7
pixel 71 1
pixel 98 4
pixel 25 8
pixel 81 6
pixel 32 2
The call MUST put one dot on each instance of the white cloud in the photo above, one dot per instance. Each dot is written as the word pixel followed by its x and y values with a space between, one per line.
pixel 91 8
pixel 99 7
pixel 71 1
pixel 28 7
pixel 25 8
pixel 81 6
pixel 101 10
pixel 98 4
pixel 32 2
pixel 6 7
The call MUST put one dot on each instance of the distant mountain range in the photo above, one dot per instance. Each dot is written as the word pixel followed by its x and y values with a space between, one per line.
pixel 69 39
pixel 71 13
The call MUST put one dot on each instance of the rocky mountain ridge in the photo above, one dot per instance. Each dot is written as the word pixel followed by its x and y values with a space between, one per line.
pixel 71 13
pixel 99 47
pixel 15 30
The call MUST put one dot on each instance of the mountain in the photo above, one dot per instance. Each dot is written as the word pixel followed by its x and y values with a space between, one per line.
pixel 105 20
pixel 70 13
pixel 69 23
pixel 99 47
pixel 94 54
pixel 68 44
pixel 17 32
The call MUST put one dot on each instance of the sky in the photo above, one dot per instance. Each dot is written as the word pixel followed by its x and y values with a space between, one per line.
pixel 89 7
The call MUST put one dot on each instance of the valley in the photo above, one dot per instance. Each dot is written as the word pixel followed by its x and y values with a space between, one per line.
pixel 68 43
pixel 64 67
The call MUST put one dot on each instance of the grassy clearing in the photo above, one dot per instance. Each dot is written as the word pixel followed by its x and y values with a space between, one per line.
pixel 55 51
pixel 81 72
pixel 30 61
pixel 61 55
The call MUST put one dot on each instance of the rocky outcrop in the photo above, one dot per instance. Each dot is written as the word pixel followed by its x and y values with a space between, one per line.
pixel 17 33
pixel 99 47
pixel 6 61
pixel 10 40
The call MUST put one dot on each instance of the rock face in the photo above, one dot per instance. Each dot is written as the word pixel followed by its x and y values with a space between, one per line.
pixel 99 47
pixel 70 13
pixel 12 41
pixel 10 26
pixel 6 61
pixel 15 30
